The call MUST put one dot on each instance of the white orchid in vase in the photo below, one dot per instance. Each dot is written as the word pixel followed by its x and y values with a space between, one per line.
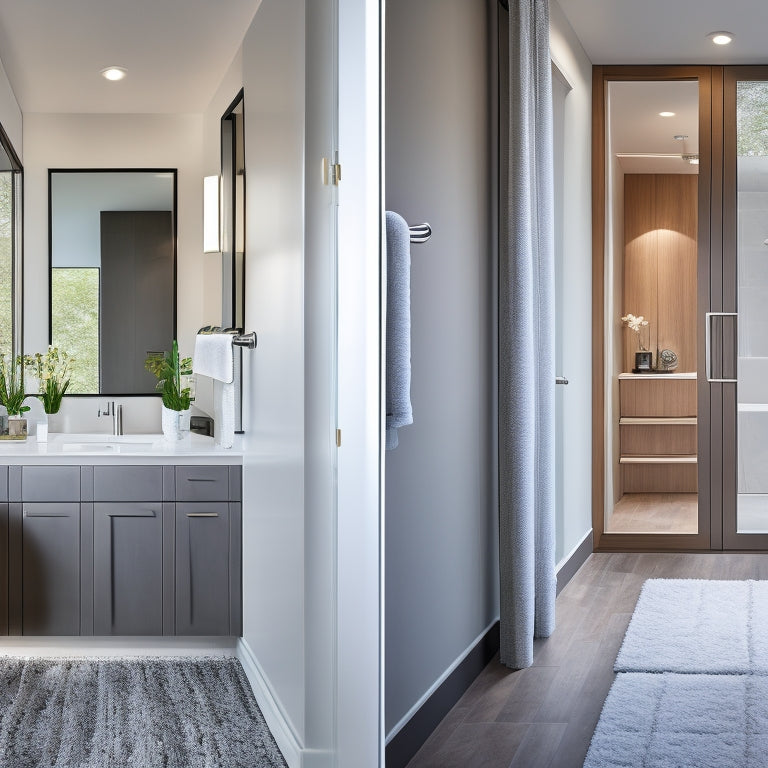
pixel 639 325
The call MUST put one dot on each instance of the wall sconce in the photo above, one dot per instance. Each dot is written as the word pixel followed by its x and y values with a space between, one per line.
pixel 211 226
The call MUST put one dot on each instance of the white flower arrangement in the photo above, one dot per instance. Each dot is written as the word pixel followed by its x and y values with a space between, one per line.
pixel 635 323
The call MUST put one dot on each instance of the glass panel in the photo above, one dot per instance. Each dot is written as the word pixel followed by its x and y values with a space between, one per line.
pixel 752 260
pixel 6 263
pixel 652 138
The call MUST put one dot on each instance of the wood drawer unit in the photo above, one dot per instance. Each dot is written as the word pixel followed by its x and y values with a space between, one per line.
pixel 653 397
pixel 658 434
pixel 653 437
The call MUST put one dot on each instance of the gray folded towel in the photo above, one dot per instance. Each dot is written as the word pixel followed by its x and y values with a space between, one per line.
pixel 398 373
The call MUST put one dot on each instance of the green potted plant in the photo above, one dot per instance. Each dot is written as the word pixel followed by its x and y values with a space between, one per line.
pixel 53 372
pixel 172 372
pixel 12 397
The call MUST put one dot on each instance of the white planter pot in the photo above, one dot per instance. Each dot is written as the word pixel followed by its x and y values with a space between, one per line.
pixel 175 424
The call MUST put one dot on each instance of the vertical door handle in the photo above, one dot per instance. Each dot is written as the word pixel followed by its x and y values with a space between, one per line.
pixel 708 346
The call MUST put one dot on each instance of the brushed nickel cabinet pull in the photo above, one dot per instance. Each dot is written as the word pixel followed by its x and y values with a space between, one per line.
pixel 202 514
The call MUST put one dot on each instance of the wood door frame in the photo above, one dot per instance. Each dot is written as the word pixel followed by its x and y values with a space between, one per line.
pixel 709 239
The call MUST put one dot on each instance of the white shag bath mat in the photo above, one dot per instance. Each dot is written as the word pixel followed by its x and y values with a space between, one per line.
pixel 696 626
pixel 682 721
pixel 693 685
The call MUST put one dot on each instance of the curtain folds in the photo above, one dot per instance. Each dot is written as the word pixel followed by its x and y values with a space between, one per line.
pixel 526 339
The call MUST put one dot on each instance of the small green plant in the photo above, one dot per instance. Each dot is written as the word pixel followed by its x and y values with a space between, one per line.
pixel 12 385
pixel 53 371
pixel 170 369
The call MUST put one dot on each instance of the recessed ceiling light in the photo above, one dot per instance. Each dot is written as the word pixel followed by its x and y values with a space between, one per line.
pixel 666 114
pixel 113 73
pixel 720 38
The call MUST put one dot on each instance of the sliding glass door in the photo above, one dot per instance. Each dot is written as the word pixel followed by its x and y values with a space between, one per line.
pixel 738 349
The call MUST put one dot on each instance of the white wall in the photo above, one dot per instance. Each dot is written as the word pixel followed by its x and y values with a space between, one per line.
pixel 10 114
pixel 441 505
pixel 571 60
pixel 113 141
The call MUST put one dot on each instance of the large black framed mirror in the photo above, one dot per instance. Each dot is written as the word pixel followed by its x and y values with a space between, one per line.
pixel 112 273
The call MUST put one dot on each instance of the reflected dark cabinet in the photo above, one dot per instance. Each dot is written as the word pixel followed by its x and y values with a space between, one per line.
pixel 120 550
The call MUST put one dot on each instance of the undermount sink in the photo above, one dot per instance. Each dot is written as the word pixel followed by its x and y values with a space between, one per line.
pixel 102 443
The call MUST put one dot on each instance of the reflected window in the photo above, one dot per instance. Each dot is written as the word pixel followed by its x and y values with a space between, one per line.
pixel 10 248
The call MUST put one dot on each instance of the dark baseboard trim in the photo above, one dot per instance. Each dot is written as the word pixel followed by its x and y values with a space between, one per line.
pixel 409 739
pixel 575 561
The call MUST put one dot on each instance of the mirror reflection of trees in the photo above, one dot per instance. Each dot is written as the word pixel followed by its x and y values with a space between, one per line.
pixel 6 263
pixel 752 118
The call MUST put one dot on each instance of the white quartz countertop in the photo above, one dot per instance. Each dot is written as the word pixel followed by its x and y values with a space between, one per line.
pixel 118 449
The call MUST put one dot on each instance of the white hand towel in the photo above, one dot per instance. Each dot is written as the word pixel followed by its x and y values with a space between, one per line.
pixel 214 356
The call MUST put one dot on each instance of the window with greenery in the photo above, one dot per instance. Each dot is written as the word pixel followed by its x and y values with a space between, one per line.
pixel 10 248
pixel 6 262
pixel 75 323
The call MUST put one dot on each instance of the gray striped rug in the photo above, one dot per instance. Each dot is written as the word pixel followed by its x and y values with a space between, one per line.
pixel 131 713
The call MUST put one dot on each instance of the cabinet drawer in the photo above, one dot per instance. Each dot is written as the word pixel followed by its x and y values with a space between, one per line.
pixel 195 483
pixel 658 397
pixel 127 483
pixel 50 483
pixel 658 439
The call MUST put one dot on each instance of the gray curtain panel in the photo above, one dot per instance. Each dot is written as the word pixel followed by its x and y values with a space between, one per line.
pixel 526 338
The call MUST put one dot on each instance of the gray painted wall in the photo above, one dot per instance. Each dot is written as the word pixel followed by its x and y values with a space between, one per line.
pixel 441 508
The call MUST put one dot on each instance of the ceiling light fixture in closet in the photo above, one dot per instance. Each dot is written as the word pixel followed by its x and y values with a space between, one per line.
pixel 720 38
pixel 666 114
pixel 113 73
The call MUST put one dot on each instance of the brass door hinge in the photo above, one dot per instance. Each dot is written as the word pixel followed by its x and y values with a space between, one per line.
pixel 338 438
pixel 331 172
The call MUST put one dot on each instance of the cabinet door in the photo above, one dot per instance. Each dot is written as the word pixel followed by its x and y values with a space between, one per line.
pixel 50 546
pixel 202 568
pixel 129 555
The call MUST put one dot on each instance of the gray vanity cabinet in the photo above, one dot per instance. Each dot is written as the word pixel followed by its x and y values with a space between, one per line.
pixel 50 572
pixel 4 550
pixel 129 549
pixel 202 568
pixel 208 546
pixel 132 552
pixel 120 550
pixel 44 528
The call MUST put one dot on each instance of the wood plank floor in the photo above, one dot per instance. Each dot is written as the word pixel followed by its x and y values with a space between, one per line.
pixel 544 716
pixel 655 513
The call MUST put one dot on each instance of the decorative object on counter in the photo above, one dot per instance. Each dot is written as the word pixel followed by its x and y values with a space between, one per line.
pixel 14 426
pixel 53 372
pixel 667 361
pixel 644 357
pixel 172 372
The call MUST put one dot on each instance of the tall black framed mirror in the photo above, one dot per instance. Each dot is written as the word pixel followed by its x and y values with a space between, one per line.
pixel 233 215
pixel 112 272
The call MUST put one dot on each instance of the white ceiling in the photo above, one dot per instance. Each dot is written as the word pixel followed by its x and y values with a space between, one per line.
pixel 669 31
pixel 636 128
pixel 176 52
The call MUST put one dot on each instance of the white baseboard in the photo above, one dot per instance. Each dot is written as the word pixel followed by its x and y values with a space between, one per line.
pixel 278 723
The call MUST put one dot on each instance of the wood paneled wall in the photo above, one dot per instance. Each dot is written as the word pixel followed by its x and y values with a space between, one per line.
pixel 660 223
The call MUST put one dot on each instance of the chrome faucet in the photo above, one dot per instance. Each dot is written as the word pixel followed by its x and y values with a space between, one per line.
pixel 117 416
